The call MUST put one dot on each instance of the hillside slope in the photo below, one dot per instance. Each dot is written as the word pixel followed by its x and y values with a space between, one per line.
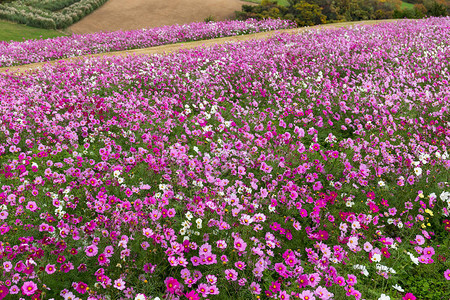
pixel 189 45
pixel 137 14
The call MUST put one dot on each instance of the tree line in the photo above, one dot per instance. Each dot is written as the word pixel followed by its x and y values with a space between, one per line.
pixel 312 12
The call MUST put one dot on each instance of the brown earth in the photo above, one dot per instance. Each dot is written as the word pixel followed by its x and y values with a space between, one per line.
pixel 136 14
pixel 204 43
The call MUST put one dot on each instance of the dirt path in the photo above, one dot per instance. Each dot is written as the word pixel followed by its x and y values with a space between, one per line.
pixel 204 43
pixel 136 14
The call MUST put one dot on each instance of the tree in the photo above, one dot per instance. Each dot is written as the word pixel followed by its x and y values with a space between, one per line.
pixel 435 8
pixel 306 14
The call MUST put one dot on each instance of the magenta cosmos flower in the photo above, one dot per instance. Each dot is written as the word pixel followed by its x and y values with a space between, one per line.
pixel 172 284
pixel 50 269
pixel 192 295
pixel 4 291
pixel 81 287
pixel 409 296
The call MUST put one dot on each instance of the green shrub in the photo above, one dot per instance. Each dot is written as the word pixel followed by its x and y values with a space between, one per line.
pixel 48 14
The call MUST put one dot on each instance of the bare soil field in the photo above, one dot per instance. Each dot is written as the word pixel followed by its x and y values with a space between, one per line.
pixel 204 43
pixel 136 14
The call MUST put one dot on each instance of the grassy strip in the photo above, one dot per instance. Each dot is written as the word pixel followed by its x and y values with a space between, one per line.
pixel 17 32
pixel 406 5
pixel 280 2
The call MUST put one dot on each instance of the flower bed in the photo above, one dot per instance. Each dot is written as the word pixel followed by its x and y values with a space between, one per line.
pixel 18 53
pixel 309 166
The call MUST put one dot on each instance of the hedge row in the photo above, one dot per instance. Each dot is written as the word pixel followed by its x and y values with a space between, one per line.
pixel 23 12
pixel 52 5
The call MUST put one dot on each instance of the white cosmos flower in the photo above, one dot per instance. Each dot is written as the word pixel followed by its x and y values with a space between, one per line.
pixel 414 259
pixel 140 297
pixel 376 257
pixel 418 171
pixel 199 223
pixel 445 196
pixel 384 297
pixel 189 215
pixel 398 288
pixel 349 203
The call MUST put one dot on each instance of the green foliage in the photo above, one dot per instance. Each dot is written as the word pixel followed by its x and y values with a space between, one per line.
pixel 18 32
pixel 406 5
pixel 311 12
pixel 306 14
pixel 209 19
pixel 408 14
pixel 52 14
pixel 302 12
pixel 279 2
pixel 52 5
pixel 435 9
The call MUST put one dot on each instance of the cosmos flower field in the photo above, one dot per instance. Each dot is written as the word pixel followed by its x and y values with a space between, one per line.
pixel 311 166
pixel 32 51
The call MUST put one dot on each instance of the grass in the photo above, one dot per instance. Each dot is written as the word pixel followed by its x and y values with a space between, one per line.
pixel 406 5
pixel 17 32
pixel 280 2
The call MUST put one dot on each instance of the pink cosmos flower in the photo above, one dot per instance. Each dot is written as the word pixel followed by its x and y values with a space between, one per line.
pixel 109 251
pixel 351 281
pixel 420 239
pixel 91 250
pixel 213 290
pixel 221 244
pixel 28 288
pixel 307 295
pixel 203 289
pixel 195 261
pixel 50 269
pixel 283 295
pixel 14 290
pixel 428 251
pixel 340 280
pixel 231 274
pixel 240 265
pixel 211 279
pixel 314 279
pixel 7 265
pixel 255 288
pixel 32 206
pixel 205 249
pixel 447 274
pixel 239 244
pixel 119 284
